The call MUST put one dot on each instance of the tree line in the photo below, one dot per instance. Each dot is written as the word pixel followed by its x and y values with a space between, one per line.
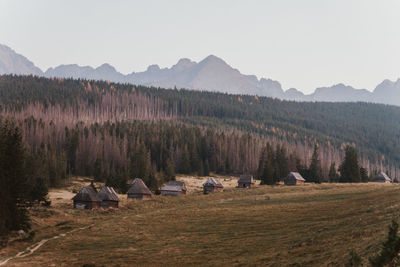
pixel 373 128
pixel 276 163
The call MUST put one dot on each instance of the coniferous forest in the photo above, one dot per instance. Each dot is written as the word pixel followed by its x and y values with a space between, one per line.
pixel 114 132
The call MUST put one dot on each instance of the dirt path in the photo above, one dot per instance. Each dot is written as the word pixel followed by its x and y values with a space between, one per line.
pixel 31 249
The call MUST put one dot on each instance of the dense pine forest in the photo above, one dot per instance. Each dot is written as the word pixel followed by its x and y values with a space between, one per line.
pixel 113 132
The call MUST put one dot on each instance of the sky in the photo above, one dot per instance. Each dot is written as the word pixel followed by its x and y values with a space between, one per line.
pixel 302 44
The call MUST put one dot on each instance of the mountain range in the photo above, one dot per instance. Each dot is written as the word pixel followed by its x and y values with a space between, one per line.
pixel 210 74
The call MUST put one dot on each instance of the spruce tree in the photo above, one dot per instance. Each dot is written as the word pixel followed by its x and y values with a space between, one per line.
pixel 390 248
pixel 169 172
pixel 315 170
pixel 21 182
pixel 349 169
pixel 268 174
pixel 364 175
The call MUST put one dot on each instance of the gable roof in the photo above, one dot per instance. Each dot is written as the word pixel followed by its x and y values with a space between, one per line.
pixel 108 193
pixel 246 179
pixel 174 186
pixel 213 182
pixel 87 194
pixel 382 176
pixel 138 187
pixel 296 176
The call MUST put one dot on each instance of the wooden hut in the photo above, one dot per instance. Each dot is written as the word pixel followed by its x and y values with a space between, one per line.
pixel 212 185
pixel 86 199
pixel 246 181
pixel 108 197
pixel 138 190
pixel 173 188
pixel 381 178
pixel 294 178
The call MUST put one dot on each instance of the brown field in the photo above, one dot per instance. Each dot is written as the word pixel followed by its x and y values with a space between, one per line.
pixel 312 225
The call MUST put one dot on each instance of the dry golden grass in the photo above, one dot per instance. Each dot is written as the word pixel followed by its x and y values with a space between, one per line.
pixel 312 225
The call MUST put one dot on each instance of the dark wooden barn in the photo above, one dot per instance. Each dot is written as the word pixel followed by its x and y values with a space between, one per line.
pixel 108 197
pixel 87 199
pixel 246 181
pixel 381 178
pixel 173 188
pixel 212 185
pixel 294 178
pixel 138 190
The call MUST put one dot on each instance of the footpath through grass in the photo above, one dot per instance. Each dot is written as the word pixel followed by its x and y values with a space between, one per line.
pixel 314 225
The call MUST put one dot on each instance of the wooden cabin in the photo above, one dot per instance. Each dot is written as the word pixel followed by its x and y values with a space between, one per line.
pixel 86 199
pixel 173 188
pixel 108 197
pixel 246 181
pixel 138 190
pixel 381 178
pixel 212 185
pixel 294 178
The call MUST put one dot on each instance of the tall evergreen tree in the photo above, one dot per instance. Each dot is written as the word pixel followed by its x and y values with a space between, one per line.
pixel 169 173
pixel 20 181
pixel 349 169
pixel 281 163
pixel 315 170
pixel 364 175
pixel 267 167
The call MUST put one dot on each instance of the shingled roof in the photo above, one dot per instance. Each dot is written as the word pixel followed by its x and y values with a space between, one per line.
pixel 382 177
pixel 174 186
pixel 213 182
pixel 297 176
pixel 246 179
pixel 86 194
pixel 138 187
pixel 108 194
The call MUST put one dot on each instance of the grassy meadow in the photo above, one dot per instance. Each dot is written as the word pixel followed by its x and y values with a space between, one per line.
pixel 311 225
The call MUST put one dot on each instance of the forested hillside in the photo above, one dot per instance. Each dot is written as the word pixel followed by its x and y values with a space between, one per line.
pixel 113 131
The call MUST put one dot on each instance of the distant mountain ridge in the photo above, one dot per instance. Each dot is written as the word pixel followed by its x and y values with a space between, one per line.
pixel 210 74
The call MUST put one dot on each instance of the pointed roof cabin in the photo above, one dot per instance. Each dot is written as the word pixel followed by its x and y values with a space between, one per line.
pixel 212 185
pixel 294 178
pixel 109 197
pixel 381 178
pixel 86 199
pixel 138 190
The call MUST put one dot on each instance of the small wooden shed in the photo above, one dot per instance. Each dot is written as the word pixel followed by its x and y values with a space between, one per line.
pixel 381 178
pixel 246 181
pixel 109 197
pixel 86 199
pixel 212 185
pixel 173 188
pixel 294 178
pixel 138 190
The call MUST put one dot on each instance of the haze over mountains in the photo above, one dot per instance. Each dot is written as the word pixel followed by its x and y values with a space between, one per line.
pixel 211 74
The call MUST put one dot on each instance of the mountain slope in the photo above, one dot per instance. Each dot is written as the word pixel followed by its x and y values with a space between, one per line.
pixel 11 62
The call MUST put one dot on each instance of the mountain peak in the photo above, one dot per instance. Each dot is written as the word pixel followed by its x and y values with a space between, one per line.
pixel 106 67
pixel 153 68
pixel 183 63
pixel 213 60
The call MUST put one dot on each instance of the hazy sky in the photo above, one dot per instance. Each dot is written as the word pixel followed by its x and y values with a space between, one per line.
pixel 303 44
